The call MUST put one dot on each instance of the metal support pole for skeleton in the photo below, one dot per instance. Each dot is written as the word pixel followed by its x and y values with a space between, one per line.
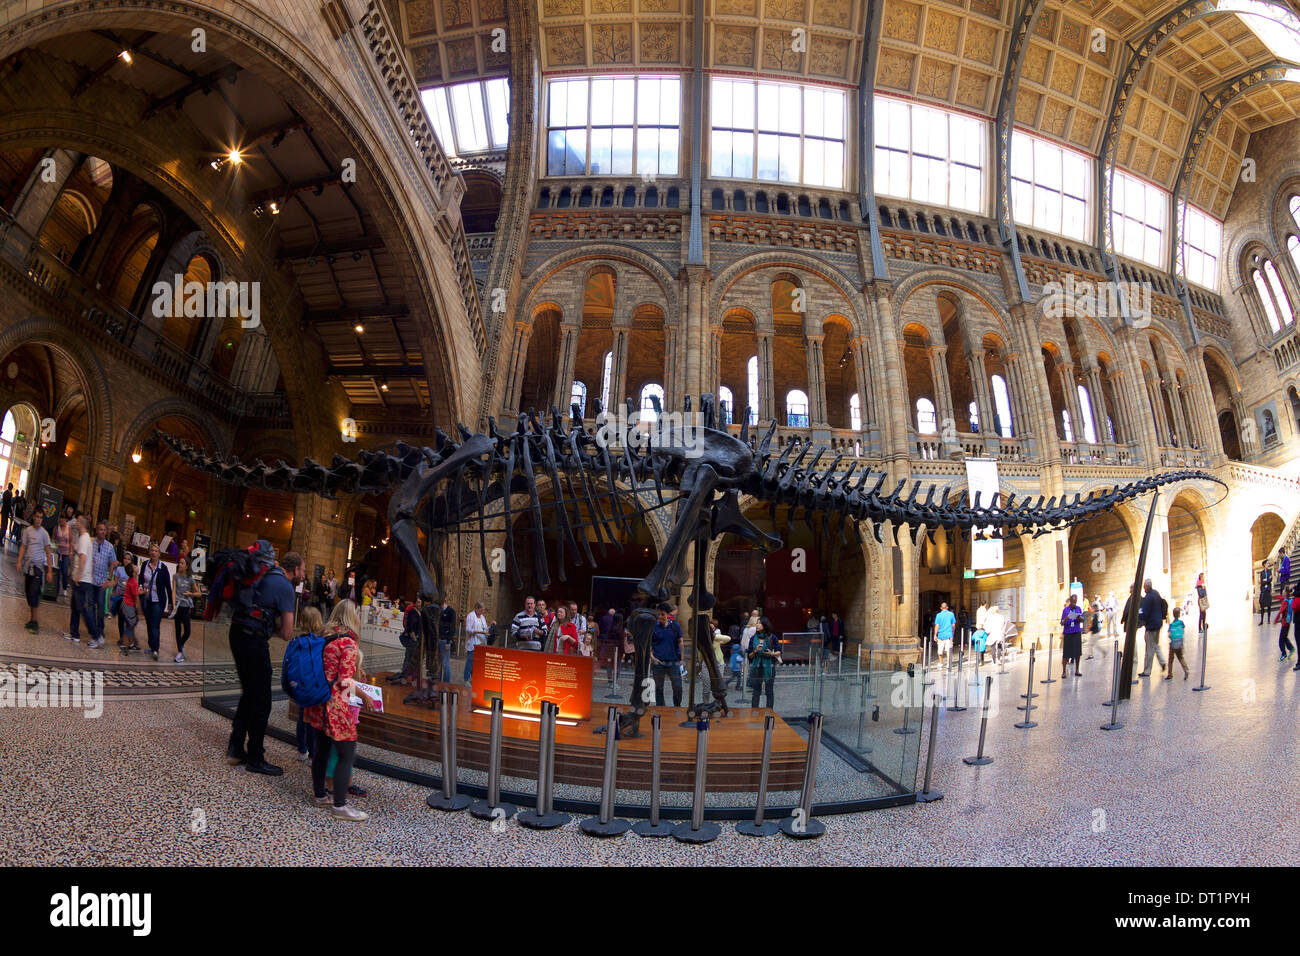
pixel 979 760
pixel 492 808
pixel 927 795
pixel 654 827
pixel 697 830
pixel 605 825
pixel 801 825
pixel 758 826
pixel 449 799
pixel 545 817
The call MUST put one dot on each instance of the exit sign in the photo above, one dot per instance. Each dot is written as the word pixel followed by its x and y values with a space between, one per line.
pixel 968 573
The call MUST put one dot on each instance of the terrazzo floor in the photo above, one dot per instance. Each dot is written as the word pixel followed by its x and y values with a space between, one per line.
pixel 1191 779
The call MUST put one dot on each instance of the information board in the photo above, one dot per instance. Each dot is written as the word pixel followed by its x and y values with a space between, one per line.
pixel 523 679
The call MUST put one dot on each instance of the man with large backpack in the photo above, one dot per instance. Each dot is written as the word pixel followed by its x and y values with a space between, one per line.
pixel 263 608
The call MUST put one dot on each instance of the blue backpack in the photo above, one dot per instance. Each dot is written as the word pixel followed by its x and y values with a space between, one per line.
pixel 303 673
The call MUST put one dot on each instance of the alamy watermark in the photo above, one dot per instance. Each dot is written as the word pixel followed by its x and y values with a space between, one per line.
pixel 82 690
pixel 1076 298
pixel 196 300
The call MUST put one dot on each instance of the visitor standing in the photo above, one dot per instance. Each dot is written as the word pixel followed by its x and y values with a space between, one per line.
pixel 563 631
pixel 1176 627
pixel 446 636
pixel 63 544
pixel 155 597
pixel 1152 613
pixel 186 589
pixel 1071 636
pixel 1265 592
pixel 476 632
pixel 832 637
pixel 270 613
pixel 83 599
pixel 335 721
pixel 1284 617
pixel 1112 617
pixel 129 610
pixel 944 623
pixel 6 511
pixel 1284 574
pixel 764 652
pixel 1202 602
pixel 34 564
pixel 666 657
pixel 526 626
pixel 751 628
pixel 103 560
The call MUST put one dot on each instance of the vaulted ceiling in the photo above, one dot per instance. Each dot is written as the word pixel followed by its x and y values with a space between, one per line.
pixel 949 52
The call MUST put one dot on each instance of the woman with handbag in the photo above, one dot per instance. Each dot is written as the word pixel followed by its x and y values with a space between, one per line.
pixel 764 655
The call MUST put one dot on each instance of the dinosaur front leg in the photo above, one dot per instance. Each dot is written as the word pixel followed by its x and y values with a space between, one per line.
pixel 698 484
pixel 641 622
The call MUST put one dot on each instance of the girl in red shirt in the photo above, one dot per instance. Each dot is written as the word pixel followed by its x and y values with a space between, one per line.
pixel 566 632
pixel 130 609
pixel 336 721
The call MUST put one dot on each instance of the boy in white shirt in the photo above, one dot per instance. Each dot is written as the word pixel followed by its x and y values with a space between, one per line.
pixel 476 631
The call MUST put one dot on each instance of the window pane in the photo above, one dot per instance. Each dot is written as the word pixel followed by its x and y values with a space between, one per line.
pixel 742 104
pixel 647 151
pixel 789 171
pixel 555 153
pixel 621 158
pixel 720 102
pixel 600 151
pixel 647 103
pixel 668 152
pixel 768 106
pixel 602 102
pixel 575 149
pixel 670 98
pixel 624 97
pixel 767 156
pixel 834 165
pixel 498 97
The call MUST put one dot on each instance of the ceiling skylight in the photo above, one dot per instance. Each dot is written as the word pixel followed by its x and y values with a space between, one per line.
pixel 1277 29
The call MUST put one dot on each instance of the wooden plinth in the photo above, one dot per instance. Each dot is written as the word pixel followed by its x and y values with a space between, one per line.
pixel 735 745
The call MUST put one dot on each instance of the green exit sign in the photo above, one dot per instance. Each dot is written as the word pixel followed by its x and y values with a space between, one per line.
pixel 968 573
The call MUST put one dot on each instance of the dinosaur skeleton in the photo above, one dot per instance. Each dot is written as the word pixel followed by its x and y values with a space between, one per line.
pixel 466 486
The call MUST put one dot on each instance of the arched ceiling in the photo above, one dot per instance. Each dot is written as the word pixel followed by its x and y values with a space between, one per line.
pixel 949 52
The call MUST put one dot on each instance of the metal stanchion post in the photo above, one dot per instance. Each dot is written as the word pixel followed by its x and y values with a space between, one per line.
pixel 979 760
pixel 1111 702
pixel 871 655
pixel 1002 655
pixel 488 809
pixel 1029 705
pixel 927 795
pixel 758 826
pixel 907 728
pixel 956 697
pixel 1050 678
pixel 1114 695
pixel 449 799
pixel 605 825
pixel 697 830
pixel 545 817
pixel 653 827
pixel 801 825
pixel 1203 685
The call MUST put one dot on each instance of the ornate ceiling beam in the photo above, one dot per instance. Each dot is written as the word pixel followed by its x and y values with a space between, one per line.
pixel 1022 31
pixel 320 250
pixel 376 371
pixel 323 316
pixel 1212 109
pixel 866 136
pixel 204 84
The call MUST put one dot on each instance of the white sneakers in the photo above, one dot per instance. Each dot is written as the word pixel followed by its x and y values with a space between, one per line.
pixel 349 812
pixel 179 658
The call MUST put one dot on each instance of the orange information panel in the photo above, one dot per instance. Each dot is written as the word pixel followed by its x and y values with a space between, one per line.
pixel 523 679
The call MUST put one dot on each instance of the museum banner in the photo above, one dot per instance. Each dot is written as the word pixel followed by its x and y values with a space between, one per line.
pixel 523 679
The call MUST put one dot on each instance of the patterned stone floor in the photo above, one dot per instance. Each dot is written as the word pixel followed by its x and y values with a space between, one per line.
pixel 1191 779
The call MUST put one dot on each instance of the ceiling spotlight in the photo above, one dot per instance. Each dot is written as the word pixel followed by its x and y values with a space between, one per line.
pixel 275 208
pixel 137 454
pixel 383 386
pixel 358 328
pixel 125 57
pixel 216 164
pixel 235 157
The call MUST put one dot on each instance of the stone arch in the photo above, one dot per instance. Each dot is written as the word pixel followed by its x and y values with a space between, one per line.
pixel 138 430
pixel 41 330
pixel 652 266
pixel 947 277
pixel 790 261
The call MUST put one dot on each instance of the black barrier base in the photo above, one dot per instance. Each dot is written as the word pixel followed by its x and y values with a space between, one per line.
pixel 1026 724
pixel 1026 707
pixel 536 821
pixel 451 804
pixel 707 833
pixel 977 761
pixel 807 830
pixel 1202 687
pixel 645 828
pixel 482 810
pixel 928 796
pixel 1112 726
pixel 750 828
pixel 593 827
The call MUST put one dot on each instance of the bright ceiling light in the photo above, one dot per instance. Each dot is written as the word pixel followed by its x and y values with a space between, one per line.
pixel 137 455
pixel 125 57
pixel 275 208
pixel 235 156
pixel 358 328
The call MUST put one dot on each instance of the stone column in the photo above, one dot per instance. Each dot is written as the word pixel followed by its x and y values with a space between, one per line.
pixel 816 380
pixel 1250 439
pixel 942 388
pixel 515 368
pixel 1157 406
pixel 866 399
pixel 673 391
pixel 1172 392
pixel 569 332
pixel 618 371
pixel 894 416
pixel 35 201
pixel 1211 440
pixel 983 393
pixel 767 411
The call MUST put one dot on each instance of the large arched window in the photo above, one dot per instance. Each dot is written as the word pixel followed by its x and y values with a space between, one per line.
pixel 604 380
pixel 926 423
pixel 1266 300
pixel 726 406
pixel 578 396
pixel 752 374
pixel 1085 409
pixel 855 412
pixel 649 394
pixel 1284 310
pixel 1002 407
pixel 1293 246
pixel 1065 424
pixel 973 414
pixel 796 409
